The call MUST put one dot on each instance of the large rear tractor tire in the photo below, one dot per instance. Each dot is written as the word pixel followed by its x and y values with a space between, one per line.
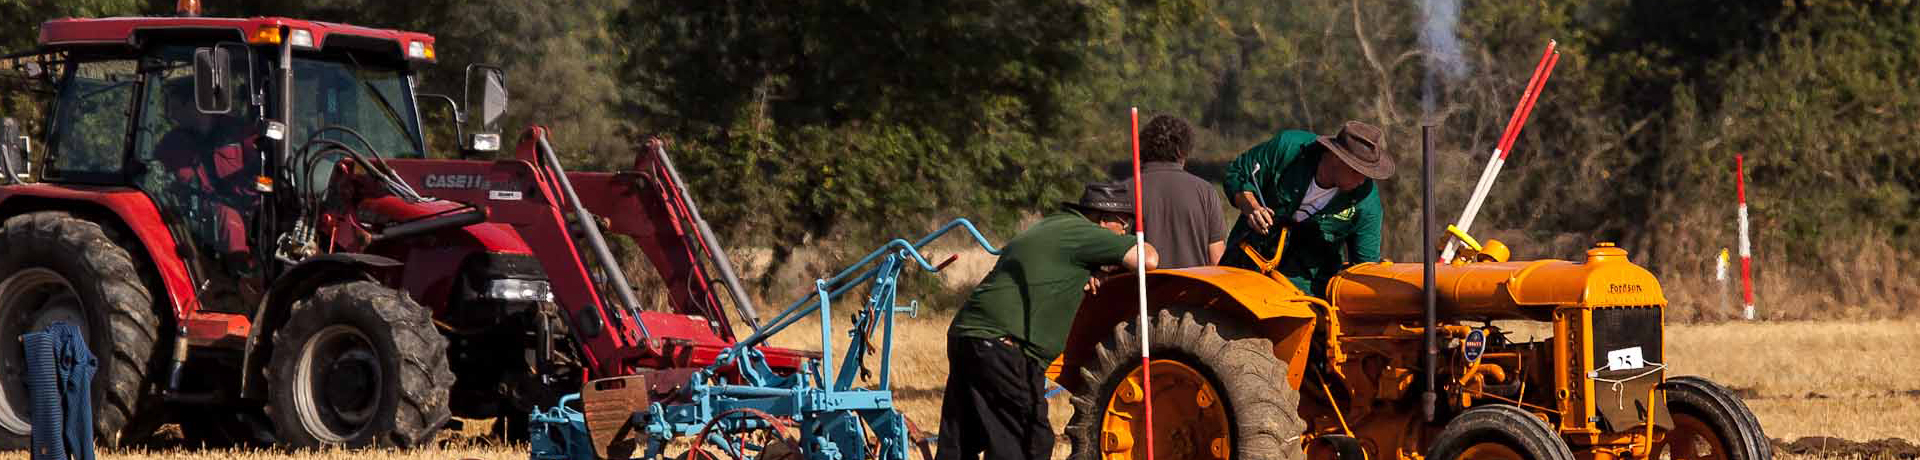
pixel 56 267
pixel 1218 393
pixel 1710 423
pixel 1498 432
pixel 359 364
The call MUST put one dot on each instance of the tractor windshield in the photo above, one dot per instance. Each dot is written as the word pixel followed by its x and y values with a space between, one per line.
pixel 375 101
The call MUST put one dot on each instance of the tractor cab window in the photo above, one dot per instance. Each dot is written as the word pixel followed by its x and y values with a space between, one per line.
pixel 186 152
pixel 200 170
pixel 374 101
pixel 90 121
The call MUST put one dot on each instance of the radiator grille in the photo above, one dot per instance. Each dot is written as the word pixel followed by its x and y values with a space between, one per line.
pixel 1623 328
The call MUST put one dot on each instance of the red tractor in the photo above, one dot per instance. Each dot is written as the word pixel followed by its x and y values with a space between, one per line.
pixel 241 215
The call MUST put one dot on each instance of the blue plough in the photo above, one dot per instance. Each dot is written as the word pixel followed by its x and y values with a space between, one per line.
pixel 741 408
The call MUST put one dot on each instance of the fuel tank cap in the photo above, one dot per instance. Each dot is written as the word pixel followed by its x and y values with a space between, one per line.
pixel 1605 251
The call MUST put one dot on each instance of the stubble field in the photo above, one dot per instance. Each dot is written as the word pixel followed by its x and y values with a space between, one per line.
pixel 1855 382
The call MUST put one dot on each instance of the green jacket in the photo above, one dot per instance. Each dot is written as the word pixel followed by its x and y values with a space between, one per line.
pixel 1346 232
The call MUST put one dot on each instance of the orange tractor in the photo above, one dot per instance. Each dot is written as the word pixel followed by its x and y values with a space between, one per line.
pixel 1246 366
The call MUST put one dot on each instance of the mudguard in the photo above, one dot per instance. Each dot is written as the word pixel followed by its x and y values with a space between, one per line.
pixel 136 214
pixel 1272 304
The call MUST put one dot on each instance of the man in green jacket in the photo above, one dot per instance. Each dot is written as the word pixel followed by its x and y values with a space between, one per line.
pixel 1016 322
pixel 1323 189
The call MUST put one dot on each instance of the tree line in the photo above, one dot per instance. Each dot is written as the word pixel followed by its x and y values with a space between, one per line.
pixel 849 120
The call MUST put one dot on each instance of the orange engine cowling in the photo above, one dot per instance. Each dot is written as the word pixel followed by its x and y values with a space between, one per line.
pixel 1497 290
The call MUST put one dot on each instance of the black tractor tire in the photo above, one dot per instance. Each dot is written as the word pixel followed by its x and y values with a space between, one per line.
pixel 1262 411
pixel 1735 433
pixel 1498 426
pixel 359 364
pixel 54 266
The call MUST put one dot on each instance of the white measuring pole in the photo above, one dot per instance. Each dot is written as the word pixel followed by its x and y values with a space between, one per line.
pixel 1140 278
pixel 1720 280
pixel 1480 190
pixel 1746 245
pixel 1521 111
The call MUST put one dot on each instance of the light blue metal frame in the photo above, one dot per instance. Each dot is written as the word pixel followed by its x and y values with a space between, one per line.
pixel 827 407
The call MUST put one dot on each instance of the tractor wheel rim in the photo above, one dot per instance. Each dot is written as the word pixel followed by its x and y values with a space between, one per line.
pixel 30 300
pixel 1691 438
pixel 339 383
pixel 1490 450
pixel 1190 417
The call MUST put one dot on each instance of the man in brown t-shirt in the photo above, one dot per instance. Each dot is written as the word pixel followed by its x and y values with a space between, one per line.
pixel 1182 215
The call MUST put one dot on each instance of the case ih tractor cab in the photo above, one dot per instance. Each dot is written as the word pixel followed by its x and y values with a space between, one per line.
pixel 240 214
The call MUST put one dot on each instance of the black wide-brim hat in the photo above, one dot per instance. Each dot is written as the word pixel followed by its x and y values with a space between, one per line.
pixel 1114 197
pixel 1363 147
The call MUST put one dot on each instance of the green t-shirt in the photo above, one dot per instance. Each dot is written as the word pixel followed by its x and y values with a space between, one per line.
pixel 1037 285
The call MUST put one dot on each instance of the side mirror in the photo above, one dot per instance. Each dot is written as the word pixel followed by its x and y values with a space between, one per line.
pixel 491 106
pixel 212 93
pixel 13 156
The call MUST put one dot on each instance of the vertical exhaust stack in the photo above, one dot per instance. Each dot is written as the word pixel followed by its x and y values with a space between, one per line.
pixel 1430 359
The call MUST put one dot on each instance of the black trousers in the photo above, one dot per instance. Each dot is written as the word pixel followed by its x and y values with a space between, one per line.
pixel 995 403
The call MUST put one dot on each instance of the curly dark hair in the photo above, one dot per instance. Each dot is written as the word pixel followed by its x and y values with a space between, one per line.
pixel 1166 138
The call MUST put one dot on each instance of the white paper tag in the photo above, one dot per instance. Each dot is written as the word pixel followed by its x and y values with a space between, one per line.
pixel 1625 359
pixel 503 195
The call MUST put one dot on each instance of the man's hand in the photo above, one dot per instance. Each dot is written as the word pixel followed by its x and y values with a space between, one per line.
pixel 1093 284
pixel 1260 218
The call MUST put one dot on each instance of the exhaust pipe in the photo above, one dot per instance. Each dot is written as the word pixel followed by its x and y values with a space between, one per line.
pixel 1430 359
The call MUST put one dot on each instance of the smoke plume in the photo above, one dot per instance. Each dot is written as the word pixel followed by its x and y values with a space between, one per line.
pixel 1440 45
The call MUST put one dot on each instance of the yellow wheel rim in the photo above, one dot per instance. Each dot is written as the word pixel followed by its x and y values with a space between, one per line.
pixel 1490 451
pixel 1190 420
pixel 1690 438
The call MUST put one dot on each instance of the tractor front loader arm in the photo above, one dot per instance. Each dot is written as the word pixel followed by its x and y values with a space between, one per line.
pixel 527 196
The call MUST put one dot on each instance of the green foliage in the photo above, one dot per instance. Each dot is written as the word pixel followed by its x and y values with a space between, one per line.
pixel 24 17
pixel 833 118
pixel 850 120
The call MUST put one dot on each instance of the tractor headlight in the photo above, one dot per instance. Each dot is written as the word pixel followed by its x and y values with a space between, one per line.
pixel 301 38
pixel 486 142
pixel 519 290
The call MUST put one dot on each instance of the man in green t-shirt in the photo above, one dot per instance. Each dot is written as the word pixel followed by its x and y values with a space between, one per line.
pixel 1323 189
pixel 1016 322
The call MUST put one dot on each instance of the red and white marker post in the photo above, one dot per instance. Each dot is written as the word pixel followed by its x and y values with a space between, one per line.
pixel 1499 158
pixel 1140 277
pixel 1746 245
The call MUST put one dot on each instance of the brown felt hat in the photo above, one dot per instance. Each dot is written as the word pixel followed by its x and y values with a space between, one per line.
pixel 1363 147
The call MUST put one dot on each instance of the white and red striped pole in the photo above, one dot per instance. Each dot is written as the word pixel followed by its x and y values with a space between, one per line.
pixel 1140 277
pixel 1746 244
pixel 1521 112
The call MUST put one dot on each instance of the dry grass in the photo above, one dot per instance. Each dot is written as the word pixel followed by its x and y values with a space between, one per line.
pixel 1852 380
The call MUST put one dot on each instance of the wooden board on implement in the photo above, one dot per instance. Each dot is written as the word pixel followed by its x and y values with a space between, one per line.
pixel 608 405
